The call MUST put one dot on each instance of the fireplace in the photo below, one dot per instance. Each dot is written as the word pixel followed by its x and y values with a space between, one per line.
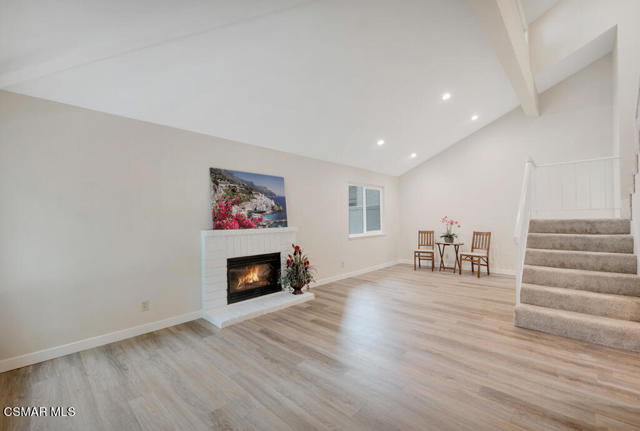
pixel 252 276
pixel 220 250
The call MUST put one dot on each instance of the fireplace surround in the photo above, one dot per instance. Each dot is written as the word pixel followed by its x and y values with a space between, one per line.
pixel 220 248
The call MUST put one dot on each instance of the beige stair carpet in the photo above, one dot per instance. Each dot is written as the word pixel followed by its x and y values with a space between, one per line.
pixel 580 281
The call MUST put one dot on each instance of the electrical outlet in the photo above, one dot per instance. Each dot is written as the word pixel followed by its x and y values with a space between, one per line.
pixel 342 264
pixel 145 305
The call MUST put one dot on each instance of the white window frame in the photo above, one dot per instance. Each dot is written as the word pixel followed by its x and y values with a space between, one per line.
pixel 366 234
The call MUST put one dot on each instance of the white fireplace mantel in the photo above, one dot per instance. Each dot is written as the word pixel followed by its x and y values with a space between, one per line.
pixel 220 245
pixel 251 232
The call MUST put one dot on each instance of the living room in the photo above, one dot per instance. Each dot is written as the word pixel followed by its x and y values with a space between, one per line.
pixel 319 215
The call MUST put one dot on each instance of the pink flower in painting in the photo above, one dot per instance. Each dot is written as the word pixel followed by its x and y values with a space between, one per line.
pixel 224 218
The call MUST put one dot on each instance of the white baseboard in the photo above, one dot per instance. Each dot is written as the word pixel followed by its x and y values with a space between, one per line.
pixel 493 270
pixel 88 343
pixel 501 271
pixel 100 340
pixel 353 273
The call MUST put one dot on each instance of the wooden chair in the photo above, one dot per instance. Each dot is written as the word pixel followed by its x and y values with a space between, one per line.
pixel 425 249
pixel 479 254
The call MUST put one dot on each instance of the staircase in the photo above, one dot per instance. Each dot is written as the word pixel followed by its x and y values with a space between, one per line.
pixel 579 280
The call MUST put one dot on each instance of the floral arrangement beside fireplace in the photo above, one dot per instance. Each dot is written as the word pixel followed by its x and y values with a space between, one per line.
pixel 298 272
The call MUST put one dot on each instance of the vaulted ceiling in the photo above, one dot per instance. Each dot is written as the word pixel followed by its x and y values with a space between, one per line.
pixel 534 9
pixel 324 79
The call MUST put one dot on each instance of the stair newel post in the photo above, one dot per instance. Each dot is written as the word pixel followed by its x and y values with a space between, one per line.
pixel 522 221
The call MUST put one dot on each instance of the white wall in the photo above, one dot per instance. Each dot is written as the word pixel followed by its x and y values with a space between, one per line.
pixel 570 25
pixel 101 212
pixel 478 180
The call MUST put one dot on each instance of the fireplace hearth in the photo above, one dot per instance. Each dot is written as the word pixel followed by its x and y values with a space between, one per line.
pixel 252 276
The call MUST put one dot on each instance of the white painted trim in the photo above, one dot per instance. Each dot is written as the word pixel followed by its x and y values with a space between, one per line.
pixel 339 277
pixel 575 162
pixel 89 343
pixel 112 337
pixel 353 273
pixel 499 271
pixel 367 234
pixel 233 232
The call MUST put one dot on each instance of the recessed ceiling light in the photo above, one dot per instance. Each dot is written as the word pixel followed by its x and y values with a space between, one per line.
pixel 446 96
pixel 474 117
pixel 380 142
pixel 413 155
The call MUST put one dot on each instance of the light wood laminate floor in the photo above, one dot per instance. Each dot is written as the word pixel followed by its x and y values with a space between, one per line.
pixel 391 349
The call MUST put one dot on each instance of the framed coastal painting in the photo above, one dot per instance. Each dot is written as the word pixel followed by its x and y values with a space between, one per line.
pixel 244 200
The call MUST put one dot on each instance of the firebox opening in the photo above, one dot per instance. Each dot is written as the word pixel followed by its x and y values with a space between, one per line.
pixel 252 276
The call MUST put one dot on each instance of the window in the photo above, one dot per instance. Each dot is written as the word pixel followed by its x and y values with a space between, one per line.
pixel 365 210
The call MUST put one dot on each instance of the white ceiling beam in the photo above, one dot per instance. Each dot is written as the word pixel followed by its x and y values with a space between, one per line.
pixel 505 27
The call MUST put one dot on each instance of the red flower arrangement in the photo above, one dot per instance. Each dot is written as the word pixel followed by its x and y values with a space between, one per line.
pixel 298 272
pixel 224 218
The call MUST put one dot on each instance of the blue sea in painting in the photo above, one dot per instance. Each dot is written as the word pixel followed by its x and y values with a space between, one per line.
pixel 280 215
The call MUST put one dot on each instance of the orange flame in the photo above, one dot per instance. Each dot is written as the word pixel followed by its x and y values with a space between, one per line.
pixel 250 277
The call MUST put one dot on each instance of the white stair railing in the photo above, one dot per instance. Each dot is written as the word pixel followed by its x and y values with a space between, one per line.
pixel 575 189
pixel 522 221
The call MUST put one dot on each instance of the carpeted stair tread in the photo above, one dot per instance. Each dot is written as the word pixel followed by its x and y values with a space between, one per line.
pixel 602 226
pixel 580 301
pixel 581 242
pixel 620 334
pixel 587 260
pixel 579 279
